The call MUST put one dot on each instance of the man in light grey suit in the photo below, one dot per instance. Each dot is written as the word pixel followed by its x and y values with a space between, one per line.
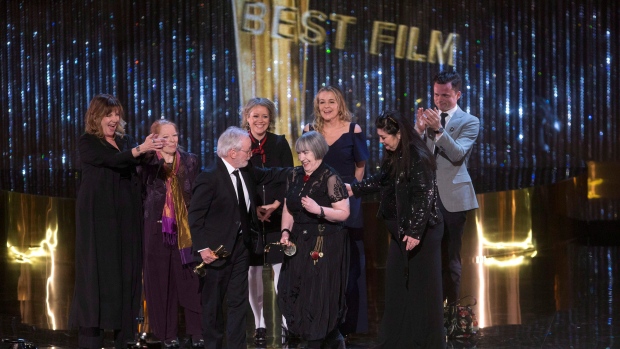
pixel 450 133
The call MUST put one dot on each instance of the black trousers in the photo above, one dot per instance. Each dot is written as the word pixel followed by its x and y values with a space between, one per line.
pixel 454 223
pixel 227 283
pixel 413 316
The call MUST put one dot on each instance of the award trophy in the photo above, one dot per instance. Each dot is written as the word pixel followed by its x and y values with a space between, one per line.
pixel 271 58
pixel 288 250
pixel 220 252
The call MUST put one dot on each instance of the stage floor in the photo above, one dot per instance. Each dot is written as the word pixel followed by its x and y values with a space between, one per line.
pixel 538 316
pixel 542 278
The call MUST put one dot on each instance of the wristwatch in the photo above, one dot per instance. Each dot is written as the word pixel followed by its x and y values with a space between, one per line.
pixel 138 149
pixel 440 130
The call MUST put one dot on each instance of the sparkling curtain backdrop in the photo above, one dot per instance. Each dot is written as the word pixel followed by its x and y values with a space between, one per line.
pixel 542 76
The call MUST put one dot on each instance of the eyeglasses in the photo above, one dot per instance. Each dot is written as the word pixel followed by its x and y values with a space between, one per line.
pixel 247 152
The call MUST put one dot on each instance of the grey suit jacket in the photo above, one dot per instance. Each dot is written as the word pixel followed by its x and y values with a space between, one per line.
pixel 453 181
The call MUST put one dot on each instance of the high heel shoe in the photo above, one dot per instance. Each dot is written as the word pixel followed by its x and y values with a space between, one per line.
pixel 260 337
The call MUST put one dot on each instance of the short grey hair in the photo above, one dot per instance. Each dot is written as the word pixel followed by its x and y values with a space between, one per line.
pixel 314 142
pixel 230 139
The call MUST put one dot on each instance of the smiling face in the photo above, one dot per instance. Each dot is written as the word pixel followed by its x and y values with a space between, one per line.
pixel 109 123
pixel 390 142
pixel 328 105
pixel 170 134
pixel 239 157
pixel 308 161
pixel 445 97
pixel 258 120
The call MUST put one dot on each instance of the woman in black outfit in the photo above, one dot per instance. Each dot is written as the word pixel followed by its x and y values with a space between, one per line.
pixel 313 281
pixel 413 315
pixel 268 150
pixel 108 241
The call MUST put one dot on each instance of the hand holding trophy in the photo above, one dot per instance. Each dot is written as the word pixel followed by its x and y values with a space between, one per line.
pixel 220 252
pixel 289 249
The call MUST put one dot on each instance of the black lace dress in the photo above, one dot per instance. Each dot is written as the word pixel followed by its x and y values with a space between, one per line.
pixel 311 296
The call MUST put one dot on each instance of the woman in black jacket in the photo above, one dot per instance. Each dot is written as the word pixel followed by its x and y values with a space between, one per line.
pixel 268 150
pixel 108 241
pixel 413 315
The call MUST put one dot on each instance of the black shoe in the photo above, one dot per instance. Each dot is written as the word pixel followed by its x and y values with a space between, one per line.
pixel 198 344
pixel 173 344
pixel 260 336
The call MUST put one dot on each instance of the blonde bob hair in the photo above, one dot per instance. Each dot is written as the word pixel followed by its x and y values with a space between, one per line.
pixel 255 102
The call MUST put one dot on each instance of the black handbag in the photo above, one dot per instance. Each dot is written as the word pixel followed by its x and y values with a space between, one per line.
pixel 460 320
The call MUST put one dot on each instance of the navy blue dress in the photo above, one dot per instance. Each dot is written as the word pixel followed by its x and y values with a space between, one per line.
pixel 347 150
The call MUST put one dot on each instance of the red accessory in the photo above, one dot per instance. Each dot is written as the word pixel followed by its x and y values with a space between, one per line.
pixel 259 150
pixel 318 249
pixel 306 178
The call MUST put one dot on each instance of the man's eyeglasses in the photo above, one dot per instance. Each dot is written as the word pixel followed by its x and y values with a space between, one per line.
pixel 247 152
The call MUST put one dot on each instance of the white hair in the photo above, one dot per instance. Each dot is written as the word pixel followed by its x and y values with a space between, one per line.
pixel 229 140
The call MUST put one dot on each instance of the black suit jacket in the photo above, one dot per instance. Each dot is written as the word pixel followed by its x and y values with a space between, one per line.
pixel 213 213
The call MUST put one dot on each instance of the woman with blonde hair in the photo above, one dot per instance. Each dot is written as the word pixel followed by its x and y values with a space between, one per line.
pixel 347 154
pixel 268 150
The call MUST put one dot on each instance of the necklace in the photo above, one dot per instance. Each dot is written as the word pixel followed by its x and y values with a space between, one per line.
pixel 306 179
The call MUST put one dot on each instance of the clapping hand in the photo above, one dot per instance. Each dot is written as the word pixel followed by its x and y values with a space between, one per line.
pixel 420 124
pixel 432 118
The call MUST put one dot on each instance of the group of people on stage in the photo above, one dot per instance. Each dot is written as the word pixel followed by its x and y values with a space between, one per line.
pixel 146 215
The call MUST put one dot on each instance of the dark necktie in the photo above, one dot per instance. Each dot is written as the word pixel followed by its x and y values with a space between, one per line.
pixel 443 119
pixel 243 209
pixel 443 124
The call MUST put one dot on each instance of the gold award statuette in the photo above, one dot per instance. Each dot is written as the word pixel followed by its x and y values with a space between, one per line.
pixel 270 40
pixel 220 252
pixel 288 250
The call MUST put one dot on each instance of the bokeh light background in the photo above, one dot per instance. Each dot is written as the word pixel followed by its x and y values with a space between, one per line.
pixel 541 75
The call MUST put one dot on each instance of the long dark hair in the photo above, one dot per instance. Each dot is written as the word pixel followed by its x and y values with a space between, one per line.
pixel 391 122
